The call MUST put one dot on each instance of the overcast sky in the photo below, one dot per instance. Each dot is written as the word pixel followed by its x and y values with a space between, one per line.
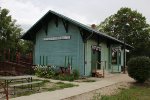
pixel 27 12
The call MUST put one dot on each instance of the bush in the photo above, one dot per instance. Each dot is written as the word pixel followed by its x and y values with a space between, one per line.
pixel 68 77
pixel 44 71
pixel 76 74
pixel 52 72
pixel 64 77
pixel 139 68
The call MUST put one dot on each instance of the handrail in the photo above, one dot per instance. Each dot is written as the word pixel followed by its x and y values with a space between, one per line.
pixel 97 62
pixel 12 68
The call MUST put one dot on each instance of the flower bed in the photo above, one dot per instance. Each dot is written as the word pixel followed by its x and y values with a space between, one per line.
pixel 54 72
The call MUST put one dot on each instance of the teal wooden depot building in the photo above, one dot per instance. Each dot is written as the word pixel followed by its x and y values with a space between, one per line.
pixel 61 41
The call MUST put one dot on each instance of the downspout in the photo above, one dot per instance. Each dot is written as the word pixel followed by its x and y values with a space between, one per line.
pixel 84 58
pixel 84 48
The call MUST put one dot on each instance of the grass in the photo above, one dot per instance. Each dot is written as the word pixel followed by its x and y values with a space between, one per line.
pixel 34 85
pixel 64 77
pixel 89 80
pixel 23 81
pixel 136 92
pixel 25 93
pixel 26 87
pixel 61 85
pixel 53 87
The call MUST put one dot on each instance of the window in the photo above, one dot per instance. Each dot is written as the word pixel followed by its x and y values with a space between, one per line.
pixel 119 54
pixel 114 56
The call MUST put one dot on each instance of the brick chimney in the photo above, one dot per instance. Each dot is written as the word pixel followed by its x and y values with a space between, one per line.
pixel 93 26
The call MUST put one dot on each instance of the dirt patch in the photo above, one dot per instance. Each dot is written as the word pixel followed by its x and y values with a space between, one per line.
pixel 113 89
pixel 109 90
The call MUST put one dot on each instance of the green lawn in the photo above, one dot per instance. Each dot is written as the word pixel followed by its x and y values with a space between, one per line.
pixel 136 92
pixel 44 86
pixel 60 85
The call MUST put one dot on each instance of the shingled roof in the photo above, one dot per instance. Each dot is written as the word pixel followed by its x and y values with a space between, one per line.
pixel 29 34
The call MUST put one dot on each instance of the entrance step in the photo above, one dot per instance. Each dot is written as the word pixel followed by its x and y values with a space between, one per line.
pixel 106 73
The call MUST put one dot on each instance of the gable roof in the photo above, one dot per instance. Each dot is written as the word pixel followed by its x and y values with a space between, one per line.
pixel 38 24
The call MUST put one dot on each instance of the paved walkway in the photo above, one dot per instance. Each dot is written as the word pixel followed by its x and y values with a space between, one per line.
pixel 82 88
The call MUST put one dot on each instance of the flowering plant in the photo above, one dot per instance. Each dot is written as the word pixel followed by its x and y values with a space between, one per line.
pixel 44 71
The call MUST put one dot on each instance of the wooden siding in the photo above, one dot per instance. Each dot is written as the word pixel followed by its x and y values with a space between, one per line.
pixel 88 67
pixel 55 51
pixel 105 55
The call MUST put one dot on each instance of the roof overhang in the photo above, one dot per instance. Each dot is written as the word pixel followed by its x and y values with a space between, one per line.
pixel 30 34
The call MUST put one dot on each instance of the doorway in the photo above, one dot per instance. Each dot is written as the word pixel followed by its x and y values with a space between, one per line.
pixel 95 56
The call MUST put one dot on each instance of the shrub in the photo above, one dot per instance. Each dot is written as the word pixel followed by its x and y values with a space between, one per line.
pixel 76 74
pixel 44 71
pixel 64 77
pixel 68 77
pixel 52 72
pixel 139 68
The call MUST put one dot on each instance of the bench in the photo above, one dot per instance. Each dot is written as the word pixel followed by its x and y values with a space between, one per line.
pixel 25 84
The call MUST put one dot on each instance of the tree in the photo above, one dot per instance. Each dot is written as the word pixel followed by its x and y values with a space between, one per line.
pixel 25 46
pixel 131 26
pixel 10 34
pixel 9 31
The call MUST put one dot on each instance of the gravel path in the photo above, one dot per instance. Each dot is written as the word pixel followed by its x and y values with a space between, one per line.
pixel 85 91
pixel 120 81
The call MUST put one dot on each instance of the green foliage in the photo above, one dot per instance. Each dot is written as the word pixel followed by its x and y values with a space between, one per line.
pixel 68 77
pixel 89 80
pixel 134 93
pixel 131 26
pixel 10 34
pixel 61 85
pixel 9 31
pixel 44 71
pixel 76 74
pixel 139 68
pixel 122 96
pixel 25 46
pixel 64 85
pixel 64 77
pixel 48 72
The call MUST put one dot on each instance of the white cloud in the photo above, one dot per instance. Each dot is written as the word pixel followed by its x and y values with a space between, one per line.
pixel 27 12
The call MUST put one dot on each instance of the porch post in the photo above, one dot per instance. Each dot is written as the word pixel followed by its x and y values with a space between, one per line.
pixel 124 57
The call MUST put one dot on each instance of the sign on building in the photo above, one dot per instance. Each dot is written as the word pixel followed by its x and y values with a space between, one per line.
pixel 57 38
